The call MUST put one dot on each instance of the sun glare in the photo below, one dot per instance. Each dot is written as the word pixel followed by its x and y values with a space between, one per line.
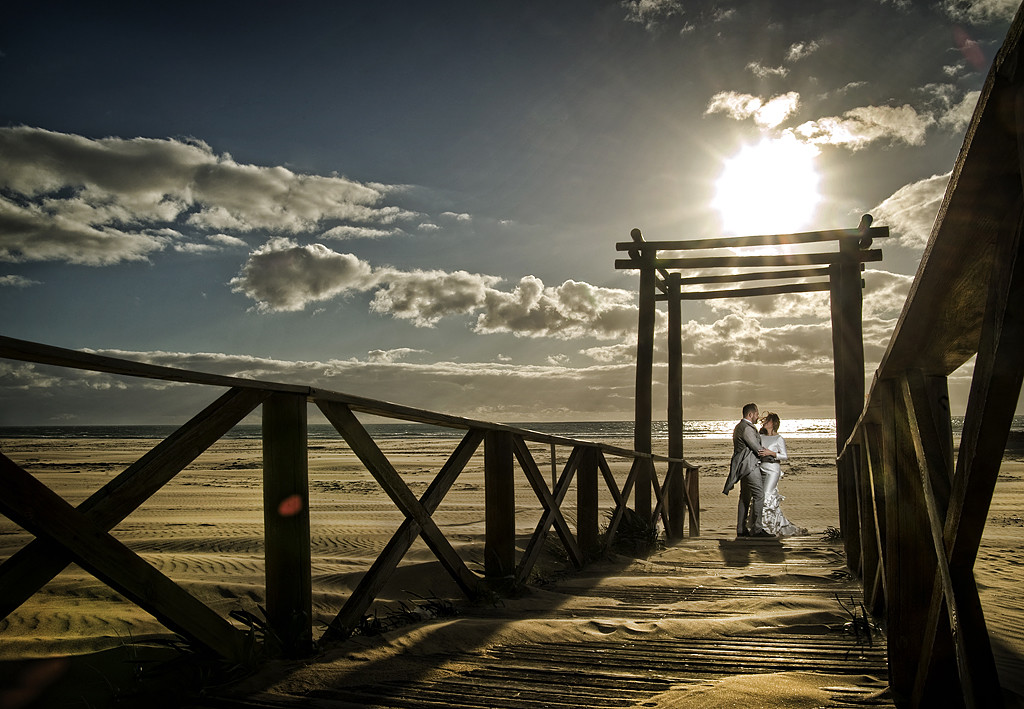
pixel 768 188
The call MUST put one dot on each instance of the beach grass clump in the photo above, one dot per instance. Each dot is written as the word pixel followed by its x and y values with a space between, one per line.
pixel 832 534
pixel 636 535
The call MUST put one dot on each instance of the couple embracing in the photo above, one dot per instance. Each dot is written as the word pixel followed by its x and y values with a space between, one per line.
pixel 755 466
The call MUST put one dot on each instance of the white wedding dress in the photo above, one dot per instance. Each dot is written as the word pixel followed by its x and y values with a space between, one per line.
pixel 772 518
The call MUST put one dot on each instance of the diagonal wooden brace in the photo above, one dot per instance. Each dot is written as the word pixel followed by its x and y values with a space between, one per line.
pixel 552 512
pixel 45 514
pixel 385 564
pixel 342 418
pixel 38 562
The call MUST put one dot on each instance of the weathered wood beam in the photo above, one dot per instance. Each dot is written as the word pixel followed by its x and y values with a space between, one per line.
pixel 45 514
pixel 752 292
pixel 693 500
pixel 779 260
pixel 25 351
pixel 499 510
pixel 31 567
pixel 587 517
pixel 942 626
pixel 286 548
pixel 732 242
pixel 675 492
pixel 874 469
pixel 383 567
pixel 643 395
pixel 758 276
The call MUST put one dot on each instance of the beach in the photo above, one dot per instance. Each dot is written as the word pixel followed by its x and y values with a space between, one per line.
pixel 204 530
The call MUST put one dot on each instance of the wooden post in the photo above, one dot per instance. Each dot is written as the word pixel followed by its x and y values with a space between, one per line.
pixel 848 353
pixel 676 502
pixel 587 536
pixel 644 381
pixel 286 523
pixel 499 509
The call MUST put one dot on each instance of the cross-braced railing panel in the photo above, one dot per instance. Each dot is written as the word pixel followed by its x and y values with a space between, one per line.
pixel 65 534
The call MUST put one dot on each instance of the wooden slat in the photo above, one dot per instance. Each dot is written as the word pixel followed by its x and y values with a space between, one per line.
pixel 757 276
pixel 732 242
pixel 753 292
pixel 609 479
pixel 873 460
pixel 387 477
pixel 387 561
pixel 693 500
pixel 42 512
pixel 934 477
pixel 782 260
pixel 26 571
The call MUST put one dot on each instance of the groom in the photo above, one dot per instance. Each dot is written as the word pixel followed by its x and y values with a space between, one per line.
pixel 745 469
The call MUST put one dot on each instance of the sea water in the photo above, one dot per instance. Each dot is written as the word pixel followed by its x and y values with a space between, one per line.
pixel 578 430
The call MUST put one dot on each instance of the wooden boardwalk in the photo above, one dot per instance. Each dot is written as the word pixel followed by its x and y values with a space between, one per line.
pixel 701 617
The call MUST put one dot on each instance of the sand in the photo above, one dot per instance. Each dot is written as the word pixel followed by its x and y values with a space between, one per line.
pixel 204 530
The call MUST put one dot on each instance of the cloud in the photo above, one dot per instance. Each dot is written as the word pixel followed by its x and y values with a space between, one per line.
pixel 801 50
pixel 359 232
pixel 911 210
pixel 980 11
pixel 957 118
pixel 568 311
pixel 424 297
pixel 763 72
pixel 768 114
pixel 32 232
pixel 858 127
pixel 17 282
pixel 392 355
pixel 100 201
pixel 282 275
pixel 651 13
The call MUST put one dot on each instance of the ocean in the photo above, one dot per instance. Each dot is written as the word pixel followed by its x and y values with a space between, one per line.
pixel 579 430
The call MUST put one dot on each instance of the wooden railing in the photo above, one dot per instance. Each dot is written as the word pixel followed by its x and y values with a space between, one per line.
pixel 914 527
pixel 66 534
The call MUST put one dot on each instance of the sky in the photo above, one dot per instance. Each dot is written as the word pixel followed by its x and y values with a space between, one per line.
pixel 419 202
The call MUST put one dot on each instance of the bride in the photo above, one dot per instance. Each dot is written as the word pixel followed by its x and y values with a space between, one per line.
pixel 772 518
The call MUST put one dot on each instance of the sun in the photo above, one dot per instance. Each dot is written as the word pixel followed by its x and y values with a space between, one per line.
pixel 768 188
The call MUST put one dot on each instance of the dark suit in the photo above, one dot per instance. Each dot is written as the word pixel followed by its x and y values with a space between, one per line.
pixel 744 468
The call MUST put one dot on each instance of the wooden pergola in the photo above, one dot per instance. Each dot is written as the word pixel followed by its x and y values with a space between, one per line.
pixel 661 279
